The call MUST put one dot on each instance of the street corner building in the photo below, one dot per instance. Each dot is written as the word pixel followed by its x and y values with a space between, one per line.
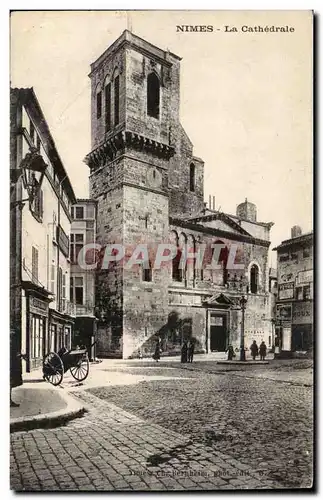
pixel 294 306
pixel 149 188
pixel 82 282
pixel 41 314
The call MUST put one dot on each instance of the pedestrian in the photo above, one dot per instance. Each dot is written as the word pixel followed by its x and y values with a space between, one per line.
pixel 231 353
pixel 184 352
pixel 254 350
pixel 156 355
pixel 190 351
pixel 262 351
pixel 15 366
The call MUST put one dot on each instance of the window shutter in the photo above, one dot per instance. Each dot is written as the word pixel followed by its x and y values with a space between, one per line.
pixel 34 264
pixel 52 279
pixel 41 199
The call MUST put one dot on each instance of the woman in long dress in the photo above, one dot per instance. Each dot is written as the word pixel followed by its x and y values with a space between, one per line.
pixel 156 355
pixel 184 352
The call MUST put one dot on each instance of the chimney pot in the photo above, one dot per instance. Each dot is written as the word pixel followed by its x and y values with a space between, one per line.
pixel 296 231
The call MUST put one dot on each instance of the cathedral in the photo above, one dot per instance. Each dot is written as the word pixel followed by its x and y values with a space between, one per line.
pixel 149 188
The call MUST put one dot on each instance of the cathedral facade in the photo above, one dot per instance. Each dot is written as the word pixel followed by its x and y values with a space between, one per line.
pixel 149 189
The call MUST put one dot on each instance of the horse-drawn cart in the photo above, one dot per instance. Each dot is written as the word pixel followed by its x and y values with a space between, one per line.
pixel 56 364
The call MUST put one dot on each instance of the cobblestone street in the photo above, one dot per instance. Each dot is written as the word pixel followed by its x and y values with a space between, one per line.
pixel 191 430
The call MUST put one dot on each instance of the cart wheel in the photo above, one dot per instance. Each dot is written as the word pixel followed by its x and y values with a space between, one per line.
pixel 53 368
pixel 81 370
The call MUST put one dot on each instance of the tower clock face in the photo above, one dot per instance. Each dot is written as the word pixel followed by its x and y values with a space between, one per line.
pixel 154 178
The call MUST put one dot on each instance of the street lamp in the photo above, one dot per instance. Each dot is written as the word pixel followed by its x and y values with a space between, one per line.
pixel 243 302
pixel 240 285
pixel 33 162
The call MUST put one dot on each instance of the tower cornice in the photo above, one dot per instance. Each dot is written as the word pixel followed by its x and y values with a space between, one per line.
pixel 122 140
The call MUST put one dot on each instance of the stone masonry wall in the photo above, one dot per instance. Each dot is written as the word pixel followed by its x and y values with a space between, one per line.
pixel 145 303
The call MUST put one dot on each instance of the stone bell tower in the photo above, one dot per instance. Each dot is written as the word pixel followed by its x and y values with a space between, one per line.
pixel 134 129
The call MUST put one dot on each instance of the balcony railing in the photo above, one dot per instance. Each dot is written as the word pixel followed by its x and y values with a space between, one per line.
pixel 85 309
pixel 67 307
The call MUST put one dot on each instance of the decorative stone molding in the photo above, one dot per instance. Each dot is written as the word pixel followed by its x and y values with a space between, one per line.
pixel 119 142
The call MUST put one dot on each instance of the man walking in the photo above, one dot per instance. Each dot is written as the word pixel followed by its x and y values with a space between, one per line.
pixel 262 351
pixel 190 351
pixel 254 350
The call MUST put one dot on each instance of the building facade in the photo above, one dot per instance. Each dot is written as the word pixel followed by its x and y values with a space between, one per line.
pixel 82 282
pixel 149 189
pixel 294 308
pixel 39 235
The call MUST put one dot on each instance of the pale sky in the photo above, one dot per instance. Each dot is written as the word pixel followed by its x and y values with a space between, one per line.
pixel 246 98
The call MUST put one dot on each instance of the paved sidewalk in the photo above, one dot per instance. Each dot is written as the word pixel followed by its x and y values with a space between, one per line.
pixel 111 449
pixel 42 405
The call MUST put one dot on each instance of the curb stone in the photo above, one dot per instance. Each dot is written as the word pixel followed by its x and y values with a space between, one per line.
pixel 53 419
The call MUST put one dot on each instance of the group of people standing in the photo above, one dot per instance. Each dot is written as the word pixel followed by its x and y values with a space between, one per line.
pixel 187 351
pixel 255 351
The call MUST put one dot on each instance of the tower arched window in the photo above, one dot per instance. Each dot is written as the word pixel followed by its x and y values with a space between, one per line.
pixel 192 177
pixel 153 95
pixel 254 279
pixel 147 274
pixel 98 104
pixel 116 99
pixel 107 96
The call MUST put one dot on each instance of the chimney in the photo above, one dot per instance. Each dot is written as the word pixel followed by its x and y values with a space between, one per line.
pixel 213 202
pixel 210 202
pixel 295 231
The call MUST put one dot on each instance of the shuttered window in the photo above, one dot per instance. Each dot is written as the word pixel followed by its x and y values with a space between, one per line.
pixel 34 264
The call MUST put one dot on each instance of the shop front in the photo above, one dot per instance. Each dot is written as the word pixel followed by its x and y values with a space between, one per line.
pixel 60 331
pixel 302 326
pixel 283 338
pixel 36 306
